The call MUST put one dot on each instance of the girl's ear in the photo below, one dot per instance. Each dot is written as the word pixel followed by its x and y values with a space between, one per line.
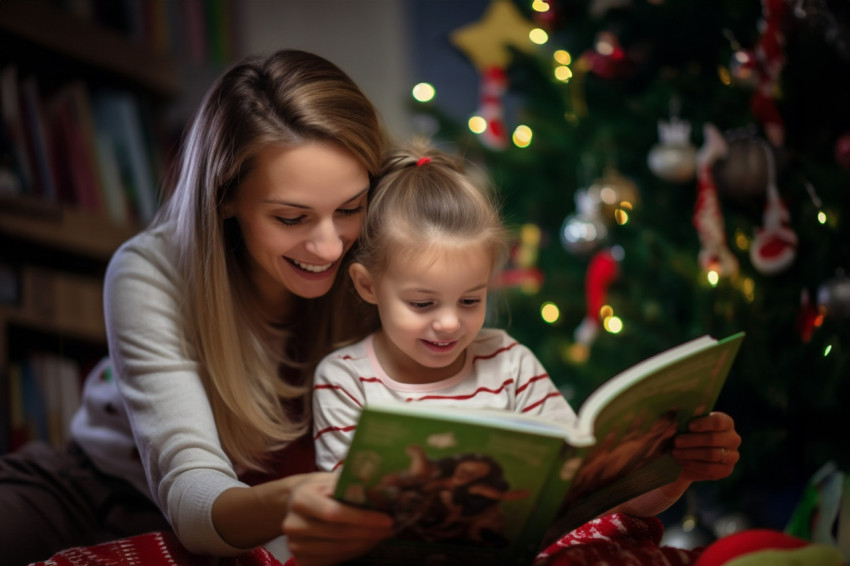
pixel 363 282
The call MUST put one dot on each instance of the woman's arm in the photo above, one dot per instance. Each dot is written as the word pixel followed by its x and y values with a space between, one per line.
pixel 189 475
pixel 158 376
pixel 319 529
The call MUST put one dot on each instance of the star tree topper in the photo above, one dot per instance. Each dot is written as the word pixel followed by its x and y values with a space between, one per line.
pixel 486 41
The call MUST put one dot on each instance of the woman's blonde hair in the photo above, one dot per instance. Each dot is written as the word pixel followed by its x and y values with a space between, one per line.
pixel 424 197
pixel 257 376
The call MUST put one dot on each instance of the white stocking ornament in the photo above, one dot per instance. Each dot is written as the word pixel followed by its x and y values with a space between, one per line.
pixel 775 244
pixel 714 254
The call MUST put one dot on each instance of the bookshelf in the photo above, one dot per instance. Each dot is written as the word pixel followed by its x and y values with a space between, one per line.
pixel 54 248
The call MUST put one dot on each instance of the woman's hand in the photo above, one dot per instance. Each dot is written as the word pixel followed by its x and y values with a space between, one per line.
pixel 709 450
pixel 322 531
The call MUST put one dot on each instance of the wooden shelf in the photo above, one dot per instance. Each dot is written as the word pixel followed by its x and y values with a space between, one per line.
pixel 12 316
pixel 76 231
pixel 43 23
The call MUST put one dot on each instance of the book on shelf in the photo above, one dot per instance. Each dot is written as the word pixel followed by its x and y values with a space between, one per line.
pixel 115 193
pixel 38 142
pixel 11 111
pixel 78 177
pixel 117 117
pixel 492 487
pixel 62 301
pixel 109 195
pixel 44 394
pixel 59 383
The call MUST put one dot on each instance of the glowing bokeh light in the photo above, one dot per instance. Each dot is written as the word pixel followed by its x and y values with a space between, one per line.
pixel 613 324
pixel 822 217
pixel 577 353
pixel 748 288
pixel 550 312
pixel 604 46
pixel 477 124
pixel 563 73
pixel 713 278
pixel 423 92
pixel 827 350
pixel 522 136
pixel 621 216
pixel 538 36
pixel 540 6
pixel 562 56
pixel 742 242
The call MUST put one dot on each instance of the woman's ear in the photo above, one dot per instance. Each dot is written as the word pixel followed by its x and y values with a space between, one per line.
pixel 228 210
pixel 363 282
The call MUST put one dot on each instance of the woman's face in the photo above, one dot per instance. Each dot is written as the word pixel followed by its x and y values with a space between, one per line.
pixel 300 210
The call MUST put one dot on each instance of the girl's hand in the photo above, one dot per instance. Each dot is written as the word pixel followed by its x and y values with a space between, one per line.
pixel 322 531
pixel 709 450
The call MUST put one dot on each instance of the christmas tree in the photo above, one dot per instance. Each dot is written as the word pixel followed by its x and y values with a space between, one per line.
pixel 676 168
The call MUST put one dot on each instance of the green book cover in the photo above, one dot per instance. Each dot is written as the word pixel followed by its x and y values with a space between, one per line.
pixel 486 487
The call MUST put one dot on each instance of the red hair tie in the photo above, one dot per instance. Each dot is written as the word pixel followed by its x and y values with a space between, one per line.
pixel 422 161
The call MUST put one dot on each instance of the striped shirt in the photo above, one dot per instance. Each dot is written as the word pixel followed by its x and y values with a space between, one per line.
pixel 499 373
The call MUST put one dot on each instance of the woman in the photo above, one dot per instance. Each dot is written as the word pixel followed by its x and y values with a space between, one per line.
pixel 216 315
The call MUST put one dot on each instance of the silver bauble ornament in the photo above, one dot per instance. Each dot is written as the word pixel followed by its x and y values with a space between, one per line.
pixel 743 173
pixel 613 191
pixel 584 231
pixel 674 158
pixel 834 296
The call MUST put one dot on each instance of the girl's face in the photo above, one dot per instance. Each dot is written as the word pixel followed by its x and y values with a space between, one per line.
pixel 432 306
pixel 300 210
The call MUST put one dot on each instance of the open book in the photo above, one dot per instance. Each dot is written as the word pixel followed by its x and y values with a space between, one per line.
pixel 489 487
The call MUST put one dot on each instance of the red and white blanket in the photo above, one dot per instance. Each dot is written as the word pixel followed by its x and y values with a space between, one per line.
pixel 612 539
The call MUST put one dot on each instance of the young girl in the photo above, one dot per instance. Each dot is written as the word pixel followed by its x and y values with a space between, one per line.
pixel 216 315
pixel 428 251
pixel 430 245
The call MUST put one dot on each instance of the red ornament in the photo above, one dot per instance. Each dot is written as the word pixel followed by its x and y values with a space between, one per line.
pixel 809 317
pixel 842 150
pixel 775 244
pixel 608 59
pixel 747 542
pixel 770 57
pixel 602 270
pixel 714 254
pixel 494 83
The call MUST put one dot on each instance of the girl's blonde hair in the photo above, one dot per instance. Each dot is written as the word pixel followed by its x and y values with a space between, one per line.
pixel 257 376
pixel 429 197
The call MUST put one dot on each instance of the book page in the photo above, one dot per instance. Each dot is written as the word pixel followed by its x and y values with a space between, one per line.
pixel 636 426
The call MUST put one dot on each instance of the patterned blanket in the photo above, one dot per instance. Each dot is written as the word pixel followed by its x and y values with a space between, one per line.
pixel 612 539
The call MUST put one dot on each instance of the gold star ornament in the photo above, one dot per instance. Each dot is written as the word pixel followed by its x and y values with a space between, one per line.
pixel 486 42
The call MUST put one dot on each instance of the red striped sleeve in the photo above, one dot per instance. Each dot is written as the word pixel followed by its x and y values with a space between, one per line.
pixel 334 429
pixel 540 402
pixel 338 388
pixel 522 388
